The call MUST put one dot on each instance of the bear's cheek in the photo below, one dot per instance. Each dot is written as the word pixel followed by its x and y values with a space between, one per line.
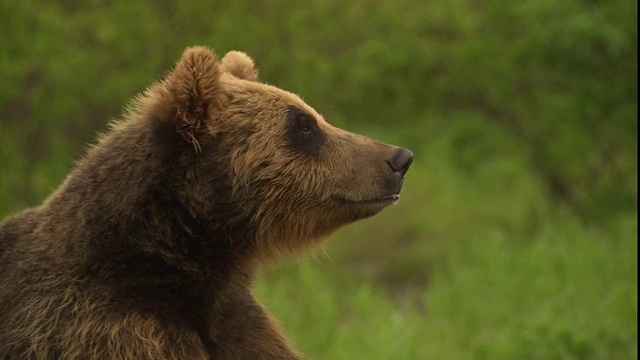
pixel 352 198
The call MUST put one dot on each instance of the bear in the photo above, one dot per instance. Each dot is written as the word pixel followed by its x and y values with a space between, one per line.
pixel 148 248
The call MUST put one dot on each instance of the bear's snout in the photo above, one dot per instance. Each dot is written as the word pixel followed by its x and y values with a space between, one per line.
pixel 400 161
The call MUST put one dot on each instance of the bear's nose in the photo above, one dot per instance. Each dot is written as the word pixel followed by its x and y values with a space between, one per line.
pixel 401 160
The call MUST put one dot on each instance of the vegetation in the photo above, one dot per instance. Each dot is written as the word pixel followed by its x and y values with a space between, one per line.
pixel 516 235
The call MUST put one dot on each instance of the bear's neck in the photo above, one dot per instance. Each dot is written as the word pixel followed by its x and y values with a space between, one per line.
pixel 138 239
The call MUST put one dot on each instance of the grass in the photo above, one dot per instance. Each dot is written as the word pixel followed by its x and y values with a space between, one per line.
pixel 570 292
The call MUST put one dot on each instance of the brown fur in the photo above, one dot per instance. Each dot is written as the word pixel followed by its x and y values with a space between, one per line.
pixel 148 248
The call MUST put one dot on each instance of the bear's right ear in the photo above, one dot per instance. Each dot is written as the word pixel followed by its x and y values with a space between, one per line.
pixel 240 65
pixel 191 94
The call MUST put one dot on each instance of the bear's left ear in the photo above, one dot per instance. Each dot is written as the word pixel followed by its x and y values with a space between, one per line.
pixel 191 94
pixel 240 65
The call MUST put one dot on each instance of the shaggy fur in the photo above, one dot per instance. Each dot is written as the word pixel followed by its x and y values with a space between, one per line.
pixel 148 248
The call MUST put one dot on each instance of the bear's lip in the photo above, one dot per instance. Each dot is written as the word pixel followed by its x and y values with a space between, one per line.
pixel 382 199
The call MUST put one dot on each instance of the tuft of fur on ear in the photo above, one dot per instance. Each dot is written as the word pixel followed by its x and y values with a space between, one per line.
pixel 240 65
pixel 193 92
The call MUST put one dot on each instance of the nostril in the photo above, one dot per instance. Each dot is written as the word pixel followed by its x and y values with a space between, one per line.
pixel 401 160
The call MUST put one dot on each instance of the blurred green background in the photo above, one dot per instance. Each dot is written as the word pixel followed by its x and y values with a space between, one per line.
pixel 516 234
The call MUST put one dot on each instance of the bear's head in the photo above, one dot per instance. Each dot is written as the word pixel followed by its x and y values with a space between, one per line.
pixel 255 159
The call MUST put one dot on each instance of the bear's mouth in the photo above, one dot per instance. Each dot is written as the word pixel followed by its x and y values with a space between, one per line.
pixel 379 200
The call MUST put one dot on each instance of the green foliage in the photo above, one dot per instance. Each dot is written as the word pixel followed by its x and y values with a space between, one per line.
pixel 568 293
pixel 559 78
pixel 516 235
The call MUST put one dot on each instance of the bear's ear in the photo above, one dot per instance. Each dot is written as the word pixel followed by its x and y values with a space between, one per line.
pixel 240 65
pixel 193 92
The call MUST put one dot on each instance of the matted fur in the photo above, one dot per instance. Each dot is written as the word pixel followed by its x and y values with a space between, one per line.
pixel 148 248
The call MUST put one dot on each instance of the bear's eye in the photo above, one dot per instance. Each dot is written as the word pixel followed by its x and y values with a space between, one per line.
pixel 303 132
pixel 305 124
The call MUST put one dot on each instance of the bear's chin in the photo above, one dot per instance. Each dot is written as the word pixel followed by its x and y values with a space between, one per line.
pixel 382 201
pixel 365 208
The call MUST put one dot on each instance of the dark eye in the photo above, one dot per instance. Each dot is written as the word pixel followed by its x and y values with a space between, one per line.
pixel 303 133
pixel 305 124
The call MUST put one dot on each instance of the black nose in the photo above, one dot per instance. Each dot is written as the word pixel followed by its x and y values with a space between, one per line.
pixel 401 160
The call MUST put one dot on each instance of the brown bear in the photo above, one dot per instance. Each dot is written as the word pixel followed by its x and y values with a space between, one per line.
pixel 148 248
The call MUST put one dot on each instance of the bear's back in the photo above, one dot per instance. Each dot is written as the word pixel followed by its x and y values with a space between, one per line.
pixel 13 230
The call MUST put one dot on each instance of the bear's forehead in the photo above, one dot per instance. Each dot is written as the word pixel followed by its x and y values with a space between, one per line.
pixel 262 94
